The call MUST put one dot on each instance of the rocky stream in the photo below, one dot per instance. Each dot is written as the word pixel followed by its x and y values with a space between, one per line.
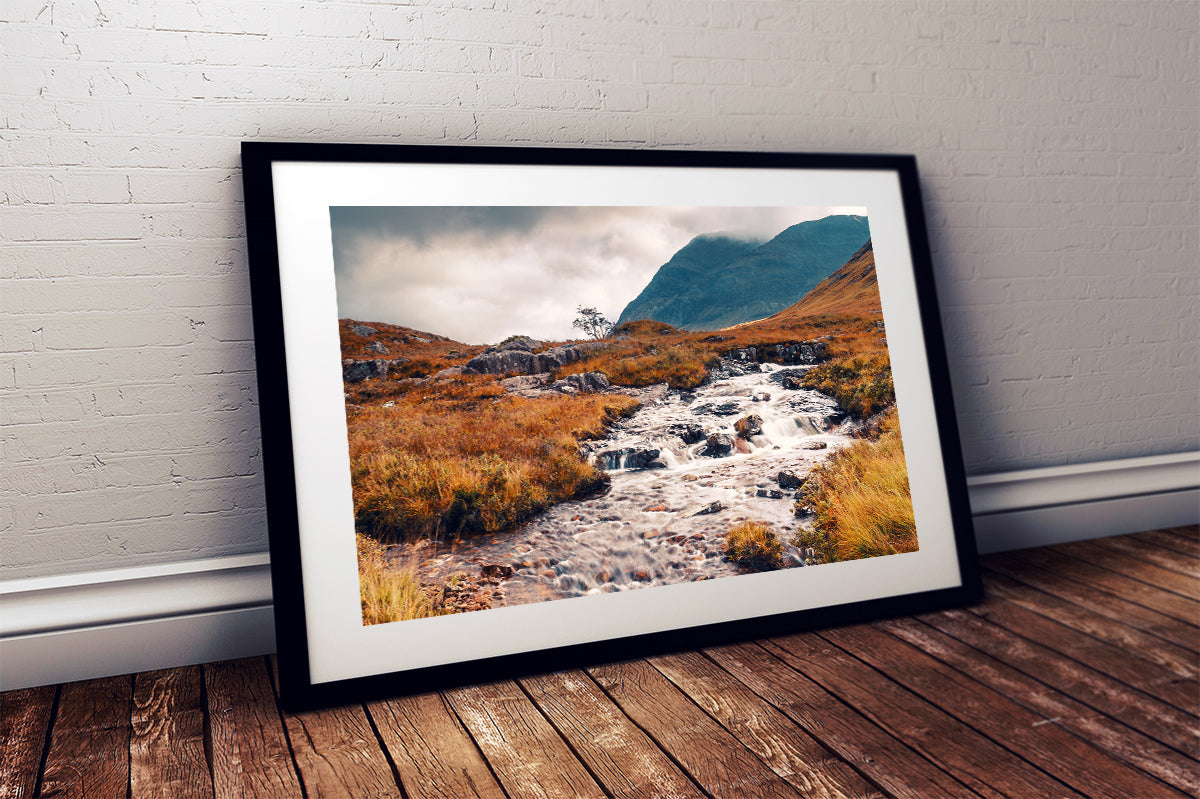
pixel 684 468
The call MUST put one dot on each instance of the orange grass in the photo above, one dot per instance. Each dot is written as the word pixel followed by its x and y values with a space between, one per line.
pixel 444 462
pixel 861 499
pixel 861 384
pixel 754 545
pixel 389 593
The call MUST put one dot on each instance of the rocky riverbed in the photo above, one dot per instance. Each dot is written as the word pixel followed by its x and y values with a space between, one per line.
pixel 684 468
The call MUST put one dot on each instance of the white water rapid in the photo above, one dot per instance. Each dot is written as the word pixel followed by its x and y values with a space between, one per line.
pixel 665 520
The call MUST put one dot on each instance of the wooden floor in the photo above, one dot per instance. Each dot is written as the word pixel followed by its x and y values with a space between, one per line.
pixel 1077 677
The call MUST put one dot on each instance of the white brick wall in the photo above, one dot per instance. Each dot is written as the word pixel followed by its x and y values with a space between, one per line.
pixel 1057 141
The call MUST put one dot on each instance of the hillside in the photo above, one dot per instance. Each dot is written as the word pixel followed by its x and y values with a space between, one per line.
pixel 718 281
pixel 852 289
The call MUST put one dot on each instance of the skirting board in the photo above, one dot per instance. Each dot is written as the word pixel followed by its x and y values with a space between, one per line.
pixel 81 626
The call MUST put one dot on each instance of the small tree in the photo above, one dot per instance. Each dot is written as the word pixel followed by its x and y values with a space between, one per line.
pixel 592 322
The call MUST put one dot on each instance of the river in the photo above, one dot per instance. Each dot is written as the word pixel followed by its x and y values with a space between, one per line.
pixel 674 494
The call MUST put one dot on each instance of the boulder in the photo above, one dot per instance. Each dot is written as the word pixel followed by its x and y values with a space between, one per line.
pixel 524 382
pixel 718 445
pixel 789 479
pixel 749 426
pixel 496 571
pixel 710 508
pixel 558 357
pixel 727 408
pixel 377 346
pixel 814 445
pixel 523 362
pixel 355 371
pixel 504 362
pixel 791 379
pixel 769 493
pixel 585 383
pixel 629 458
pixel 690 433
pixel 362 330
pixel 517 343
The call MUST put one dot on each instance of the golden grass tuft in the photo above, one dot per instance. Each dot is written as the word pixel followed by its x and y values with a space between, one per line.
pixel 861 499
pixel 389 594
pixel 754 545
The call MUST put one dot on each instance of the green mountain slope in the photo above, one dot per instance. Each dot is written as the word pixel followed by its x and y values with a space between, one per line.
pixel 717 281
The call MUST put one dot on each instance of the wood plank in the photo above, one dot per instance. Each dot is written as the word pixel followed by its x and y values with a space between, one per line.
pixel 250 754
pixel 1151 678
pixel 89 740
pixel 1131 640
pixel 337 754
pixel 885 760
pixel 619 755
pixel 1090 551
pixel 791 752
pixel 431 750
pixel 1052 749
pixel 24 722
pixel 1127 588
pixel 1156 719
pixel 982 764
pixel 166 752
pixel 1185 540
pixel 1054 706
pixel 716 760
pixel 1104 603
pixel 1165 558
pixel 527 755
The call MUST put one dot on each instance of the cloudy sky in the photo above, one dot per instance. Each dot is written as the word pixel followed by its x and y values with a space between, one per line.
pixel 480 274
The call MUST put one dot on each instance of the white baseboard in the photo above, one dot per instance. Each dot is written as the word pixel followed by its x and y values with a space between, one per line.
pixel 1040 507
pixel 81 626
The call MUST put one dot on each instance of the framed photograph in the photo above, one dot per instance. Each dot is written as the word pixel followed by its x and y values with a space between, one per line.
pixel 525 408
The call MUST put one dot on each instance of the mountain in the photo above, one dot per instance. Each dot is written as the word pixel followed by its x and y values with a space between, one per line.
pixel 717 281
pixel 852 289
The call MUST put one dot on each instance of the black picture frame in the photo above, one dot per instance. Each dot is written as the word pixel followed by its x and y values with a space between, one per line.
pixel 286 186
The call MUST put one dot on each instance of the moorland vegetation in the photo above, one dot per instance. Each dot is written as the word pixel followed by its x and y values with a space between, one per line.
pixel 438 454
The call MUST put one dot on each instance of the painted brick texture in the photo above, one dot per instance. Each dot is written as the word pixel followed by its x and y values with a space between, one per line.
pixel 1057 143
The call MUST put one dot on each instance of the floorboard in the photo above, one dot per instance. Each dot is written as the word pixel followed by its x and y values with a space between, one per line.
pixel 250 753
pixel 24 721
pixel 432 751
pixel 1077 676
pixel 89 742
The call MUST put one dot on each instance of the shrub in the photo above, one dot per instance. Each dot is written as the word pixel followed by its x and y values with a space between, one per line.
pixel 861 501
pixel 681 367
pixel 861 384
pixel 754 545
pixel 388 593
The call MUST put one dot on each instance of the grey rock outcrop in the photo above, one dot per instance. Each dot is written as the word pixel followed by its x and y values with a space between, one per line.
pixel 802 353
pixel 629 458
pixel 355 371
pixel 523 362
pixel 584 383
pixel 517 343
pixel 501 363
